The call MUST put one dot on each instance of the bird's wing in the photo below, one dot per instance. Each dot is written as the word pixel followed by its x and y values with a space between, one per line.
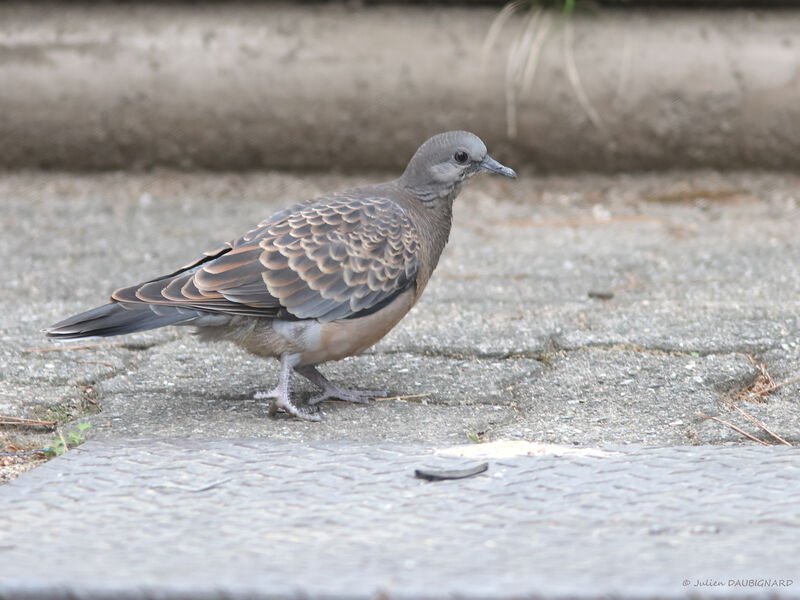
pixel 334 258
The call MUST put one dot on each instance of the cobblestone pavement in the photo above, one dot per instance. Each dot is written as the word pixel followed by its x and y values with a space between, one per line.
pixel 269 518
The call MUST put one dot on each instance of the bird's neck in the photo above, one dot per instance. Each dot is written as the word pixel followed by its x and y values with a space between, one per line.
pixel 432 213
pixel 434 209
pixel 436 197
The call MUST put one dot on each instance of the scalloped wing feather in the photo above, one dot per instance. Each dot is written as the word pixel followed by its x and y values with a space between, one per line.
pixel 328 259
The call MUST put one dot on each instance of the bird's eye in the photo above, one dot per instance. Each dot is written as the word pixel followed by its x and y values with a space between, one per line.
pixel 461 157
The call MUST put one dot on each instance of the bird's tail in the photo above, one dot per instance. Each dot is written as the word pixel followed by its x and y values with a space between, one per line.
pixel 116 319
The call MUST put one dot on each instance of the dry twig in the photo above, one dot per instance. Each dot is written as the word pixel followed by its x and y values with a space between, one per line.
pixel 757 423
pixel 734 427
pixel 761 386
pixel 78 347
pixel 403 397
pixel 787 382
pixel 6 420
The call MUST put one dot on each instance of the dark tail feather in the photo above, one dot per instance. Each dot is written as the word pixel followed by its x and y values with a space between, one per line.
pixel 114 319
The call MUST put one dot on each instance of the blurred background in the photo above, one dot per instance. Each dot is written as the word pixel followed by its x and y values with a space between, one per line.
pixel 562 85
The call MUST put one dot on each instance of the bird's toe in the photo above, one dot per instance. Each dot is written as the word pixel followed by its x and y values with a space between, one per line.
pixel 344 395
pixel 307 414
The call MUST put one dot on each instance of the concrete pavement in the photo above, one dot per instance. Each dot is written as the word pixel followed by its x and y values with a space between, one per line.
pixel 702 270
pixel 276 519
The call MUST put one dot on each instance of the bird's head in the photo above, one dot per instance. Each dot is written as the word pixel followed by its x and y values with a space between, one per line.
pixel 442 164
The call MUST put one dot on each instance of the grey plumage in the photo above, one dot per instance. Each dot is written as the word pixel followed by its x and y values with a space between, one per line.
pixel 318 281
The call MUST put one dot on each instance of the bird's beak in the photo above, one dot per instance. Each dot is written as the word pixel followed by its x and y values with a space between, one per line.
pixel 490 164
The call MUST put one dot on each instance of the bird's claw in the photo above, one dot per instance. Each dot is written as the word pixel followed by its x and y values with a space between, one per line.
pixel 307 414
pixel 278 403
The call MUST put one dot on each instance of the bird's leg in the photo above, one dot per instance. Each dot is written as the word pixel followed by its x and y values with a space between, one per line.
pixel 280 395
pixel 331 390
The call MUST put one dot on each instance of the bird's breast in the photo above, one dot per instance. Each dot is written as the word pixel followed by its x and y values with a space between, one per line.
pixel 322 342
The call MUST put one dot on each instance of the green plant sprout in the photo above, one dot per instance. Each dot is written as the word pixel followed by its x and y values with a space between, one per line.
pixel 75 437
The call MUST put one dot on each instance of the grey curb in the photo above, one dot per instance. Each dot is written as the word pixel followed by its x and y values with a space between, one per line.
pixel 266 519
pixel 268 85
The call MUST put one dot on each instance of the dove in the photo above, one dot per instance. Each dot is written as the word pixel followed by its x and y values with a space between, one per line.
pixel 316 282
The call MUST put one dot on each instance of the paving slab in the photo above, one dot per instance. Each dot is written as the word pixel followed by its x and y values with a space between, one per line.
pixel 201 518
pixel 585 309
